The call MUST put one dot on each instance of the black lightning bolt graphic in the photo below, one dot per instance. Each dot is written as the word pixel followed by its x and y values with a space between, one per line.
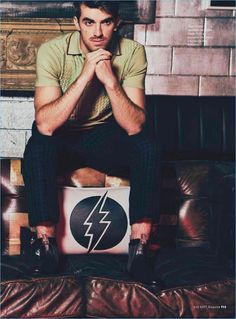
pixel 97 225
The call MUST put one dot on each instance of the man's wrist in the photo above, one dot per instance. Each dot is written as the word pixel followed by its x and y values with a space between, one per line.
pixel 82 80
pixel 112 85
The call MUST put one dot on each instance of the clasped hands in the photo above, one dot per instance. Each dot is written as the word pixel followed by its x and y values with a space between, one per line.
pixel 99 63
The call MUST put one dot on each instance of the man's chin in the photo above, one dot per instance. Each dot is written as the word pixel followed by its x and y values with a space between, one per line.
pixel 97 47
pixel 94 46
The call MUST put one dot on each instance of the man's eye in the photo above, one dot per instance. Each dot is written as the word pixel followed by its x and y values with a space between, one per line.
pixel 88 23
pixel 108 22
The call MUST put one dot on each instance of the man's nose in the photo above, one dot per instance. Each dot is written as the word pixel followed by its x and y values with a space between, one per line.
pixel 98 30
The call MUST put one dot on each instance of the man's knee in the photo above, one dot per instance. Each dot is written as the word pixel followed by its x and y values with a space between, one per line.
pixel 145 148
pixel 38 150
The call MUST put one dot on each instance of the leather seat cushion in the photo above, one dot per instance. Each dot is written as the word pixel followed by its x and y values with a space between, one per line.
pixel 187 279
pixel 51 296
pixel 117 298
pixel 189 284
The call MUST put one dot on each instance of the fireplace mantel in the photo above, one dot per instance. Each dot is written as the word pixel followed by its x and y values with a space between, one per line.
pixel 19 42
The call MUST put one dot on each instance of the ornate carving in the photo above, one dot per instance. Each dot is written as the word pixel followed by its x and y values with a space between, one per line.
pixel 2 53
pixel 19 41
pixel 21 54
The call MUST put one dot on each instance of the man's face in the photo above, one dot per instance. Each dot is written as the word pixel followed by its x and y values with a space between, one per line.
pixel 96 28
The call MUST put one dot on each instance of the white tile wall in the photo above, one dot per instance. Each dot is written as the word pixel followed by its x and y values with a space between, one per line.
pixel 16 119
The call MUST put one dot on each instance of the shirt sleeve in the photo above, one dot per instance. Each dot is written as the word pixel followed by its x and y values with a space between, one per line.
pixel 47 67
pixel 137 70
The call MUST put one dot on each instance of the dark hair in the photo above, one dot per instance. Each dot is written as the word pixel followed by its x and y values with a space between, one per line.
pixel 111 7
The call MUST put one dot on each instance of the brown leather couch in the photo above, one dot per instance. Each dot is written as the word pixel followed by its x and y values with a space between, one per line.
pixel 192 244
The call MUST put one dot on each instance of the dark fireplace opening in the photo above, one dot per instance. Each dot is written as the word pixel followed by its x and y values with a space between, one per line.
pixel 17 93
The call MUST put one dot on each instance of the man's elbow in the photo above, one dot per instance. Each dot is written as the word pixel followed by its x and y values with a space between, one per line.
pixel 134 131
pixel 137 128
pixel 43 128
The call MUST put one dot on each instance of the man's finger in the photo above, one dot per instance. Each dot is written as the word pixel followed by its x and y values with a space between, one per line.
pixel 100 52
pixel 103 59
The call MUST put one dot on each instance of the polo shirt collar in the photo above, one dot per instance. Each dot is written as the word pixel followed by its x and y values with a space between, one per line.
pixel 74 45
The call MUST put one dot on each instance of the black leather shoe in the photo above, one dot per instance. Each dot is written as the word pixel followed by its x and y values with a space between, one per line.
pixel 45 256
pixel 138 264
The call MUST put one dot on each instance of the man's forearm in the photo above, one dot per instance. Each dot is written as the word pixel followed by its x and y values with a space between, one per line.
pixel 57 109
pixel 130 116
pixel 54 114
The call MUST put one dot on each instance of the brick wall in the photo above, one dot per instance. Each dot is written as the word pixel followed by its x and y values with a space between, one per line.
pixel 190 49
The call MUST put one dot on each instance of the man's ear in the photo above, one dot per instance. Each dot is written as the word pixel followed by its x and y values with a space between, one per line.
pixel 76 23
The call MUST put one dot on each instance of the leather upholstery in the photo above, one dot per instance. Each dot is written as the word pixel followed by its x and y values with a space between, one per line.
pixel 192 244
pixel 59 296
pixel 193 127
pixel 23 296
pixel 134 300
pixel 99 286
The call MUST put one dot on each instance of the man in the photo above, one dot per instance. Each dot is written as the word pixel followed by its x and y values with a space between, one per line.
pixel 90 111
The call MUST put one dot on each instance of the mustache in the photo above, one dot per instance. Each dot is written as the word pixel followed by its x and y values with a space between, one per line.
pixel 97 38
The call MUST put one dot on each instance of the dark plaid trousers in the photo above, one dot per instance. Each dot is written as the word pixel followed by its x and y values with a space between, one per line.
pixel 105 147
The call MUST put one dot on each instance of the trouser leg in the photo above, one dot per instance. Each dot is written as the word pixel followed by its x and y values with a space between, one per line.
pixel 139 153
pixel 144 169
pixel 42 159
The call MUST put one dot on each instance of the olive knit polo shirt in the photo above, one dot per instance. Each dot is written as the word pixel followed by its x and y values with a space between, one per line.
pixel 60 62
